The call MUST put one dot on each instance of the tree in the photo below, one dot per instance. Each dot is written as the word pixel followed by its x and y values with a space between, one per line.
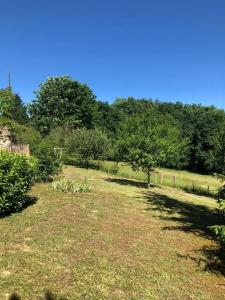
pixel 150 140
pixel 86 144
pixel 62 101
pixel 12 107
pixel 109 118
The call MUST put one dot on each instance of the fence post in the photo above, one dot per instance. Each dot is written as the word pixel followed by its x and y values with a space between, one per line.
pixel 156 178
pixel 208 189
pixel 174 180
pixel 161 181
pixel 193 186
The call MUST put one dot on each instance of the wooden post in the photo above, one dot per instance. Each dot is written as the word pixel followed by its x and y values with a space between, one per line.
pixel 193 186
pixel 162 176
pixel 156 178
pixel 208 189
pixel 174 180
pixel 149 179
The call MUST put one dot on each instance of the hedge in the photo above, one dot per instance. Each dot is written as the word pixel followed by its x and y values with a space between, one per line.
pixel 17 174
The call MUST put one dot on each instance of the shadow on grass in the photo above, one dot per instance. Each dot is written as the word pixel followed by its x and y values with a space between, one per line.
pixel 195 218
pixel 47 296
pixel 129 182
pixel 29 200
pixel 190 217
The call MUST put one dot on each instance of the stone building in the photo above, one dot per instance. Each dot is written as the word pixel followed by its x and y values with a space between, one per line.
pixel 6 142
pixel 5 138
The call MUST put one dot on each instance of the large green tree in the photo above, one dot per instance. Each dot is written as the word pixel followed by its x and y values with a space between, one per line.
pixel 62 101
pixel 148 141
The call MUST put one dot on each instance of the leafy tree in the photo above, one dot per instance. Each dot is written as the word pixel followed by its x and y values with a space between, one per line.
pixel 109 118
pixel 131 106
pixel 12 107
pixel 62 101
pixel 86 144
pixel 149 141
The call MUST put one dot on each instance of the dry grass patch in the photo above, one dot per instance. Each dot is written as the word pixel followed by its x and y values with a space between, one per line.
pixel 117 242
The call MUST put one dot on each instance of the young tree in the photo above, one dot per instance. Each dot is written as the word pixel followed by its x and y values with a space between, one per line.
pixel 62 101
pixel 86 144
pixel 149 140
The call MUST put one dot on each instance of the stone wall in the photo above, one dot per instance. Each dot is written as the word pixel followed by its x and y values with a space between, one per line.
pixel 20 148
pixel 6 142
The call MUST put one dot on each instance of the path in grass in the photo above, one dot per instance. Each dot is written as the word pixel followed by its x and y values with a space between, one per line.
pixel 117 242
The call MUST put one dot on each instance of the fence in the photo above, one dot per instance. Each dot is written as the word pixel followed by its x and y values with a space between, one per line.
pixel 197 184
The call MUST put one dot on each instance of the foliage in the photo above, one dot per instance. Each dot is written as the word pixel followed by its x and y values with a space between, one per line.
pixel 149 141
pixel 109 118
pixel 219 230
pixel 86 144
pixel 63 101
pixel 11 106
pixel 22 134
pixel 201 126
pixel 49 163
pixel 70 186
pixel 16 177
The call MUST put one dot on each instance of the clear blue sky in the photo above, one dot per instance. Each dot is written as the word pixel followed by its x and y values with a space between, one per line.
pixel 166 49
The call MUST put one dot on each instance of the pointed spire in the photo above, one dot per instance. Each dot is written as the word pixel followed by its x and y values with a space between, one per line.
pixel 9 85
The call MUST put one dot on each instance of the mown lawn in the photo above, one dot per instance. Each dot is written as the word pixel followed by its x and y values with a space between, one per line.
pixel 193 182
pixel 118 242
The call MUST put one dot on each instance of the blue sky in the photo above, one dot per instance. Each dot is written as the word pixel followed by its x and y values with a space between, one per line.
pixel 166 49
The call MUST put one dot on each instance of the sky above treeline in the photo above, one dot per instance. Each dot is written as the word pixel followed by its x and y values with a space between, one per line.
pixel 170 50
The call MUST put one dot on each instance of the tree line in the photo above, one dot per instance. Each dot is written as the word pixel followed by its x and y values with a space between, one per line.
pixel 64 104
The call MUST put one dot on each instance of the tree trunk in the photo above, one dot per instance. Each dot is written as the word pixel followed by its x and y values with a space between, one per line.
pixel 149 179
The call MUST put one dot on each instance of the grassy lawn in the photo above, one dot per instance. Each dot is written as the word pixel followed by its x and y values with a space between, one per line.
pixel 182 179
pixel 119 241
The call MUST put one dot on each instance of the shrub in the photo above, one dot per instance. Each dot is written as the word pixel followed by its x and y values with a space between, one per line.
pixel 71 186
pixel 114 169
pixel 219 230
pixel 16 178
pixel 43 149
pixel 48 162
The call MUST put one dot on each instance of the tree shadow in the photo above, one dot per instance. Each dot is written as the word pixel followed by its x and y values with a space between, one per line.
pixel 194 218
pixel 48 295
pixel 130 182
pixel 211 259
pixel 190 217
pixel 29 200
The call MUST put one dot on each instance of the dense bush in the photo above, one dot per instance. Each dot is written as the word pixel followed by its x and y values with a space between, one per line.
pixel 219 230
pixel 16 177
pixel 48 162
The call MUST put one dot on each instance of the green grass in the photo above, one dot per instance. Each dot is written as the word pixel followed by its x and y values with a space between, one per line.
pixel 119 241
pixel 192 182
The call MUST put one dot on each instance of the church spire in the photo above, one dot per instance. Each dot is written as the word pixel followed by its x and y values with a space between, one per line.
pixel 9 84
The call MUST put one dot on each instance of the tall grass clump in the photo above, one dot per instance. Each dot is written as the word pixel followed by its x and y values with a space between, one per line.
pixel 70 186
